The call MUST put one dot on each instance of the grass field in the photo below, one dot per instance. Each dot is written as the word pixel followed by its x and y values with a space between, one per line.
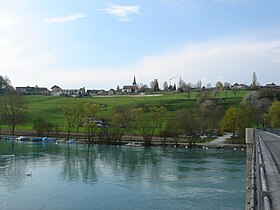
pixel 50 107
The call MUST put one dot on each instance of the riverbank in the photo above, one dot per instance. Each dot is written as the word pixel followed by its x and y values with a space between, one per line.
pixel 218 143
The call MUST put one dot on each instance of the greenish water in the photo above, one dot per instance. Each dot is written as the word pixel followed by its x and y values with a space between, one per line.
pixel 113 177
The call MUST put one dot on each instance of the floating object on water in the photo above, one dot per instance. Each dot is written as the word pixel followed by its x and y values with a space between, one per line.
pixel 29 174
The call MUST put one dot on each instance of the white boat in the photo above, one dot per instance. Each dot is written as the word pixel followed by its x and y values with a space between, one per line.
pixel 134 144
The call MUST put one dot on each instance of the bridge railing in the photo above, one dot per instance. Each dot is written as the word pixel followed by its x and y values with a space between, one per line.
pixel 263 192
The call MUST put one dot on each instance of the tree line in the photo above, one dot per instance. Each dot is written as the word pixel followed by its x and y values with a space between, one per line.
pixel 209 116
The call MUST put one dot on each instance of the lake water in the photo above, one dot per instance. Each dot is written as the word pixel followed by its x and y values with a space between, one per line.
pixel 57 177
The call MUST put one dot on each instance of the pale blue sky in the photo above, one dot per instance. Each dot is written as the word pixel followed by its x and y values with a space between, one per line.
pixel 102 44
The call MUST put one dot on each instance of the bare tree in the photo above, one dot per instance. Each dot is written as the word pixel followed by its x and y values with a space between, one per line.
pixel 14 109
pixel 148 123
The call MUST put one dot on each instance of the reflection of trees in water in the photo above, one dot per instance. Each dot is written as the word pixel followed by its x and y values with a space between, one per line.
pixel 88 162
pixel 79 162
pixel 12 175
pixel 132 163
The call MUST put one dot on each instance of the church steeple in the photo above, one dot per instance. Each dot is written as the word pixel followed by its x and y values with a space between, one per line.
pixel 134 80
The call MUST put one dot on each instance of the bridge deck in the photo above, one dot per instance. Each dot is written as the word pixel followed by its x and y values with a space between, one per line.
pixel 270 146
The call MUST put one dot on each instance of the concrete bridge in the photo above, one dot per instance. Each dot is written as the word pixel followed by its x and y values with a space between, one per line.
pixel 263 170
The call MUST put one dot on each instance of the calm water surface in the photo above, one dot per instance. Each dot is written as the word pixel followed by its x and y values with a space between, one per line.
pixel 112 177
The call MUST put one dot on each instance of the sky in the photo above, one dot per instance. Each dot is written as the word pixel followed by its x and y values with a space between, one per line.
pixel 100 44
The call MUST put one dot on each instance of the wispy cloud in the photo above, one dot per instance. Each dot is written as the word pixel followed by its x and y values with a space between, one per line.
pixel 123 13
pixel 63 19
pixel 8 21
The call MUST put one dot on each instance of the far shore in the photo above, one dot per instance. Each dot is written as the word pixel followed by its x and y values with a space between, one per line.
pixel 218 143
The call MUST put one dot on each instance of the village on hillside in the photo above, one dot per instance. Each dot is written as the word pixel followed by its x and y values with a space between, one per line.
pixel 135 88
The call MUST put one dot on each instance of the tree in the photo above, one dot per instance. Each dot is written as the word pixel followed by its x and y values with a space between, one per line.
pixel 73 114
pixel 230 120
pixel 123 115
pixel 14 109
pixel 40 126
pixel 165 86
pixel 187 123
pixel 69 116
pixel 118 89
pixel 92 112
pixel 254 81
pixel 199 85
pixel 148 123
pixel 182 85
pixel 274 114
pixel 259 104
pixel 5 83
pixel 188 89
pixel 154 85
pixel 219 87
pixel 203 111
pixel 171 130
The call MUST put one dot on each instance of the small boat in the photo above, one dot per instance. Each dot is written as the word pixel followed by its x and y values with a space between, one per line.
pixel 134 144
pixel 48 140
pixel 71 141
pixel 37 139
pixel 23 138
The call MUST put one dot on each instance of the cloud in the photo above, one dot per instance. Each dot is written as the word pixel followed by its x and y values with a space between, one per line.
pixel 123 13
pixel 228 62
pixel 8 21
pixel 209 62
pixel 67 18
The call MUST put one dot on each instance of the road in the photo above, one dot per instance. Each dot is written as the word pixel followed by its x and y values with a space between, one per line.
pixel 272 142
pixel 270 146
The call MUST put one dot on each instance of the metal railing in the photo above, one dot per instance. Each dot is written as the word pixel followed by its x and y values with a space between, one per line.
pixel 264 196
pixel 252 187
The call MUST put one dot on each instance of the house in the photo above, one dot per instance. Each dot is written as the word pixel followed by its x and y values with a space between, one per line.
pixel 272 86
pixel 111 92
pixel 42 90
pixel 239 86
pixel 74 92
pixel 130 88
pixel 56 91
pixel 26 90
pixel 33 90
pixel 92 92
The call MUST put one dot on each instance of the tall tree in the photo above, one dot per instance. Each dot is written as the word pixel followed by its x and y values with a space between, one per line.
pixel 165 86
pixel 199 85
pixel 154 85
pixel 14 109
pixel 254 81
pixel 69 112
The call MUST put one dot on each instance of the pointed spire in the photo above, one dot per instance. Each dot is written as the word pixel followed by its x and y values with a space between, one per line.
pixel 134 81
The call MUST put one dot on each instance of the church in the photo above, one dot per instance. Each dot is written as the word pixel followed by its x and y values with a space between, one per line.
pixel 130 88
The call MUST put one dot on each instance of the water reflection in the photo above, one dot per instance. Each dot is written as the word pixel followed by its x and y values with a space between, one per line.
pixel 153 174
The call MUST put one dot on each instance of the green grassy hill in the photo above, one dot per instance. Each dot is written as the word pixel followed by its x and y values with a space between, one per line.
pixel 50 107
